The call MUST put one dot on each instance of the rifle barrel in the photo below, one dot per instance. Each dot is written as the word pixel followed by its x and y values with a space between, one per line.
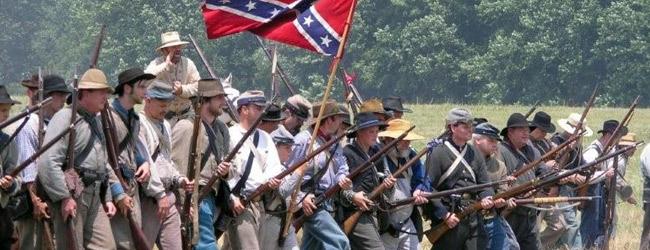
pixel 25 112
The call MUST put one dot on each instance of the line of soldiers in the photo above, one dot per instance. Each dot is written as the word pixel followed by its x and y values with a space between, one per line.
pixel 372 171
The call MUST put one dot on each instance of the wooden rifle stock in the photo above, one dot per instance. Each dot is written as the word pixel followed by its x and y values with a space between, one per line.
pixel 532 110
pixel 25 112
pixel 350 222
pixel 191 173
pixel 547 200
pixel 550 154
pixel 69 229
pixel 297 223
pixel 439 230
pixel 444 193
pixel 137 235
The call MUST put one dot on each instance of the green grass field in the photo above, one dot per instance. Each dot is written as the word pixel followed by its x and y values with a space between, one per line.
pixel 429 120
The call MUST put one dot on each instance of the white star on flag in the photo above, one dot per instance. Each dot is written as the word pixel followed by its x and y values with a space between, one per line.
pixel 308 21
pixel 250 5
pixel 325 41
pixel 274 12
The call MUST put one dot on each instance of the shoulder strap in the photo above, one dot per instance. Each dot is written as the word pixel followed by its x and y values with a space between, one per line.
pixel 212 148
pixel 247 170
pixel 313 182
pixel 454 165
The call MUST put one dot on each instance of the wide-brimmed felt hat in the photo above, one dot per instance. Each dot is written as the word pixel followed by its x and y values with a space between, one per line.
pixel 94 79
pixel 394 103
pixel 130 76
pixel 569 124
pixel 516 120
pixel 282 136
pixel 373 106
pixel 274 114
pixel 255 97
pixel 488 130
pixel 346 117
pixel 542 120
pixel 331 109
pixel 5 98
pixel 628 140
pixel 457 115
pixel 54 83
pixel 397 127
pixel 210 87
pixel 160 90
pixel 170 39
pixel 366 120
pixel 610 125
pixel 31 82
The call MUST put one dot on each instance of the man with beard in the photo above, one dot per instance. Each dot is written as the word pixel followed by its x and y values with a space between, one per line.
pixel 213 145
pixel 30 227
pixel 132 157
pixel 178 72
pixel 296 109
pixel 402 232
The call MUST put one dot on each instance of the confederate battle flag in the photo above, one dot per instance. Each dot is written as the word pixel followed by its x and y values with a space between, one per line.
pixel 314 26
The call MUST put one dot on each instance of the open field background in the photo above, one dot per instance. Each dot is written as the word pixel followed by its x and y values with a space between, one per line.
pixel 430 120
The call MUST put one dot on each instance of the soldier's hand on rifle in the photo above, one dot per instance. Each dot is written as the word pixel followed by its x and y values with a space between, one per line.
pixel 499 203
pixel 223 168
pixel 346 183
pixel 237 206
pixel 511 179
pixel 274 183
pixel 187 184
pixel 178 89
pixel 125 204
pixel 451 220
pixel 69 208
pixel 143 173
pixel 389 181
pixel 163 207
pixel 40 210
pixel 419 197
pixel 6 182
pixel 610 173
pixel 487 203
pixel 110 209
pixel 359 199
pixel 308 205
pixel 511 203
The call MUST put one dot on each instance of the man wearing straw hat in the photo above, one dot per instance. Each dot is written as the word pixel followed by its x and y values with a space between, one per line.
pixel 8 186
pixel 402 232
pixel 177 71
pixel 80 200
pixel 329 168
pixel 457 164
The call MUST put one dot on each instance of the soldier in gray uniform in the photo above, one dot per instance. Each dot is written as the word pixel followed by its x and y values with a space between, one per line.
pixel 8 185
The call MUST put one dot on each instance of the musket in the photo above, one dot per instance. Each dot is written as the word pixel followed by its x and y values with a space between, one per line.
pixel 98 47
pixel 24 113
pixel 41 122
pixel 139 239
pixel 351 221
pixel 548 155
pixel 70 229
pixel 436 195
pixel 232 112
pixel 233 152
pixel 610 208
pixel 532 110
pixel 563 158
pixel 551 200
pixel 191 173
pixel 265 187
pixel 297 223
pixel 275 91
pixel 283 76
pixel 439 230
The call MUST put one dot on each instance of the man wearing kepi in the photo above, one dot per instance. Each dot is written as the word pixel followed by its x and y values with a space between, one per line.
pixel 401 232
pixel 325 170
pixel 456 164
pixel 80 200
pixel 30 226
pixel 256 163
pixel 131 155
pixel 296 110
pixel 516 152
pixel 212 144
pixel 178 72
pixel 155 134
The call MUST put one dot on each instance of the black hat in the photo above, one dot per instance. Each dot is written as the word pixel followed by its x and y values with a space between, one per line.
pixel 610 125
pixel 274 114
pixel 516 120
pixel 479 120
pixel 54 83
pixel 130 76
pixel 543 120
pixel 5 98
pixel 394 103
pixel 488 130
pixel 366 120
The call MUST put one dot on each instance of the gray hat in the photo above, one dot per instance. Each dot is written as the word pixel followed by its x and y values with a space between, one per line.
pixel 5 98
pixel 488 130
pixel 282 136
pixel 160 90
pixel 251 97
pixel 457 115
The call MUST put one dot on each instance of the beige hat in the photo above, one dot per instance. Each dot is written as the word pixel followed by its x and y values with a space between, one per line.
pixel 373 106
pixel 210 87
pixel 331 109
pixel 628 140
pixel 398 126
pixel 94 79
pixel 571 122
pixel 170 39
